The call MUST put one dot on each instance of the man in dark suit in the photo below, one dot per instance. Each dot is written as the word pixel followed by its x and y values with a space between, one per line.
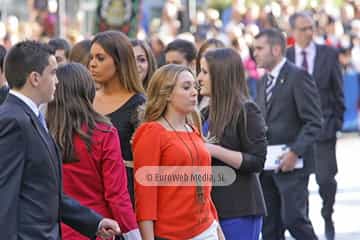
pixel 4 89
pixel 32 202
pixel 322 63
pixel 289 100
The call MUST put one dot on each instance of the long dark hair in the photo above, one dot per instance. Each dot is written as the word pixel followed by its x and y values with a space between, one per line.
pixel 211 42
pixel 72 110
pixel 229 90
pixel 80 52
pixel 118 46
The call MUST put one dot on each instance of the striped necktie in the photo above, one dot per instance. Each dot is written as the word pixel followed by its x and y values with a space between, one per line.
pixel 270 84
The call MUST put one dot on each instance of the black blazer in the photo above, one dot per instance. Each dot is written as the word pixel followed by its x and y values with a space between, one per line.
pixel 4 90
pixel 293 115
pixel 244 197
pixel 32 202
pixel 328 77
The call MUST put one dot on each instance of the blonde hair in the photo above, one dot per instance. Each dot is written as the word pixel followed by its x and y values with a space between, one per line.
pixel 159 90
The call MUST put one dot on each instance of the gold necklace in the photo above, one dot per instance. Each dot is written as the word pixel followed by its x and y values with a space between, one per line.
pixel 199 189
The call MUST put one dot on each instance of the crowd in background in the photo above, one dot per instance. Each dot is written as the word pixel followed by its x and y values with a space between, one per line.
pixel 337 25
pixel 155 79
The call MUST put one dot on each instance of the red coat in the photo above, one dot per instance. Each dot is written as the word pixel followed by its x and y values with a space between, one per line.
pixel 99 180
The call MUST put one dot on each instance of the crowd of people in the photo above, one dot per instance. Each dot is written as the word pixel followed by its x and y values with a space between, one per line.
pixel 82 121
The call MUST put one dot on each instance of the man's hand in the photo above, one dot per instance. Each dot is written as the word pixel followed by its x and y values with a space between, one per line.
pixel 288 162
pixel 108 228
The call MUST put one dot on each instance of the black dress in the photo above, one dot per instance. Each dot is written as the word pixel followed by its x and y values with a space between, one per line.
pixel 125 120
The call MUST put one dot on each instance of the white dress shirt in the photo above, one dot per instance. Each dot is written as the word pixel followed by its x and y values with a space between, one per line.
pixel 310 56
pixel 276 70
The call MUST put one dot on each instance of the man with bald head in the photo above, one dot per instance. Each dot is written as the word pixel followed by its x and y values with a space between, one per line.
pixel 321 62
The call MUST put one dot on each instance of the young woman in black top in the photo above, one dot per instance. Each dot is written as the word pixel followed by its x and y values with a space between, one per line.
pixel 112 65
pixel 211 43
pixel 237 128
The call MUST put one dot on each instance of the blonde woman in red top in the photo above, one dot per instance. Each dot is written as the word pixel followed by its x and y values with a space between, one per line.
pixel 166 138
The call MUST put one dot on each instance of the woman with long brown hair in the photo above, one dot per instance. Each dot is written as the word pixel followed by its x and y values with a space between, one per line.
pixel 93 169
pixel 80 52
pixel 113 65
pixel 145 61
pixel 208 44
pixel 211 43
pixel 237 130
pixel 168 139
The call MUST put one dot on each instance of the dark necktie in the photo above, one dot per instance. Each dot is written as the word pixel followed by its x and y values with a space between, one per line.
pixel 42 121
pixel 270 84
pixel 305 62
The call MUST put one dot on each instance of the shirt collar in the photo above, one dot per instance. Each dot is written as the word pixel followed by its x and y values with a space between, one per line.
pixel 309 49
pixel 276 70
pixel 30 103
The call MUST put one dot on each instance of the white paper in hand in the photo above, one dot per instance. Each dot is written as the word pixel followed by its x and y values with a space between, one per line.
pixel 274 153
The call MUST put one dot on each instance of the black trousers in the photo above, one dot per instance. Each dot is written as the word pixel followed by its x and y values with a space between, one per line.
pixel 325 172
pixel 286 197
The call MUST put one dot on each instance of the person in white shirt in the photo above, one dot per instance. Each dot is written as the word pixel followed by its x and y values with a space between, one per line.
pixel 322 63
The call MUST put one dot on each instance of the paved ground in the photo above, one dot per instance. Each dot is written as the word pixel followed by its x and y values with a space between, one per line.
pixel 347 208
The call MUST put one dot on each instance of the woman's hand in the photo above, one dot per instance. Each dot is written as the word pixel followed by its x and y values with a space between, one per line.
pixel 230 157
pixel 147 230
pixel 220 233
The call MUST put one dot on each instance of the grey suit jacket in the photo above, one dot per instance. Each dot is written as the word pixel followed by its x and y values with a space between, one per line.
pixel 32 202
pixel 293 115
pixel 328 77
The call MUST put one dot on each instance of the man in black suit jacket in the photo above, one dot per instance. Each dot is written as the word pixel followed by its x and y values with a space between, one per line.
pixel 322 63
pixel 290 103
pixel 4 89
pixel 32 202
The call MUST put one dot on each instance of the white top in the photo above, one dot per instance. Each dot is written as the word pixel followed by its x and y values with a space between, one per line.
pixel 310 56
pixel 132 235
pixel 30 103
pixel 276 70
pixel 209 234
